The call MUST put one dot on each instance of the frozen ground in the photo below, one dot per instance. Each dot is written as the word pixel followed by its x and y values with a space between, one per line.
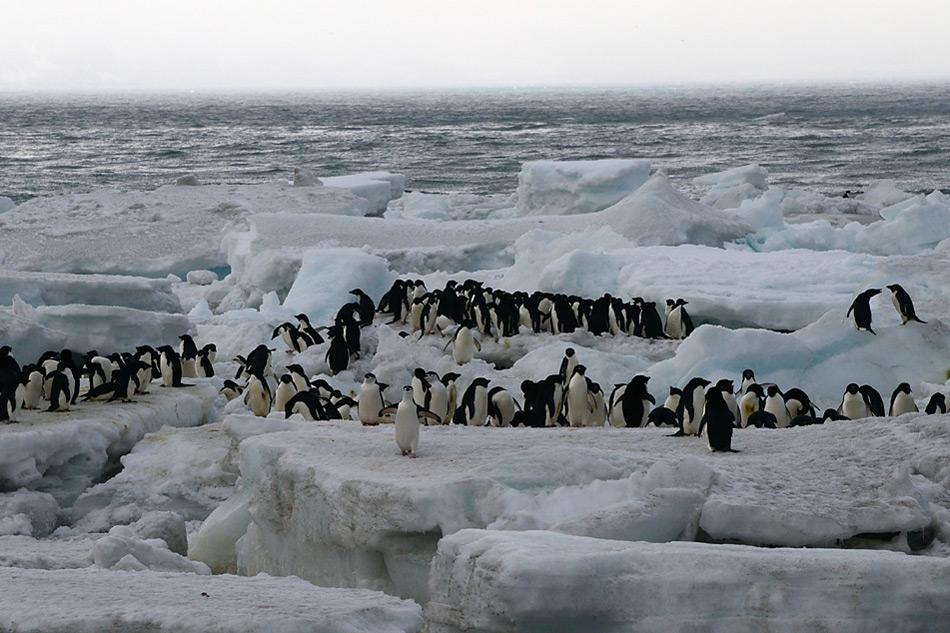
pixel 492 529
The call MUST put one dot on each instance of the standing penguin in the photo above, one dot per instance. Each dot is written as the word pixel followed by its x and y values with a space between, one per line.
pixel 367 309
pixel 420 388
pixel 203 365
pixel 169 363
pixel 679 325
pixel 936 404
pixel 873 399
pixel 860 310
pixel 59 394
pixel 630 404
pixel 691 406
pixel 189 355
pixel 257 396
pixel 407 422
pixel 438 396
pixel 901 401
pixel 449 380
pixel 651 326
pixel 31 391
pixel 903 304
pixel 501 407
pixel 775 405
pixel 370 402
pixel 748 378
pixel 473 409
pixel 463 344
pixel 750 402
pixel 577 398
pixel 718 421
pixel 9 380
pixel 568 363
pixel 286 389
pixel 338 354
pixel 853 405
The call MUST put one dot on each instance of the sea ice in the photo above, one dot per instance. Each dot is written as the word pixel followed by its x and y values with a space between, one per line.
pixel 550 187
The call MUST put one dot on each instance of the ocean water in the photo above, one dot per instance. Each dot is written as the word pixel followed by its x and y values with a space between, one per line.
pixel 827 139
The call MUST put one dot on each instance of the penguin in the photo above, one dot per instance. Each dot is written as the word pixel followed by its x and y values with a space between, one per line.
pixel 750 402
pixel 420 388
pixel 343 404
pixel 727 387
pixel 666 413
pixel 49 363
pixel 577 398
pixel 189 354
pixel 718 421
pixel 762 419
pixel 407 422
pixel 294 339
pixel 257 396
pixel 286 389
pixel 438 396
pixel 32 387
pixel 204 368
pixel 853 405
pixel 149 358
pixel 60 396
pixel 305 403
pixel 370 401
pixel 67 364
pixel 650 324
pixel 169 363
pixel 99 369
pixel 775 405
pixel 210 350
pixel 798 403
pixel 691 406
pixel 449 380
pixel 831 415
pixel 473 409
pixel 860 310
pixel 903 304
pixel 568 363
pixel 902 402
pixel 230 390
pixel 679 325
pixel 597 414
pixel 338 354
pixel 347 321
pixel 748 378
pixel 463 344
pixel 936 404
pixel 631 404
pixel 873 399
pixel 303 326
pixel 501 407
pixel 123 385
pixel 367 309
pixel 9 380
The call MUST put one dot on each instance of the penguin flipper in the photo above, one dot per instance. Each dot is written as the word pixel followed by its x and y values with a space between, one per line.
pixel 387 411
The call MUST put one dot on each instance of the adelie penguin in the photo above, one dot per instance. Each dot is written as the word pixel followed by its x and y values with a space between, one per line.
pixel 257 396
pixel 903 304
pixel 679 325
pixel 718 421
pixel 691 407
pixel 860 310
pixel 502 407
pixel 231 390
pixel 666 413
pixel 936 404
pixel 370 401
pixel 189 356
pixel 853 405
pixel 338 354
pixel 407 422
pixel 873 399
pixel 473 409
pixel 438 396
pixel 59 394
pixel 169 363
pixel 367 309
pixel 463 344
pixel 9 380
pixel 286 389
pixel 568 363
pixel 901 401
pixel 577 398
pixel 630 405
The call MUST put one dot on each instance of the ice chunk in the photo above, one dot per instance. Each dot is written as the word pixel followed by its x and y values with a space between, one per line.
pixel 421 205
pixel 64 453
pixel 96 601
pixel 202 277
pixel 305 178
pixel 326 277
pixel 41 289
pixel 186 471
pixel 187 180
pixel 28 513
pixel 884 193
pixel 167 526
pixel 549 187
pixel 521 582
pixel 6 204
pixel 728 189
pixel 124 549
pixel 377 187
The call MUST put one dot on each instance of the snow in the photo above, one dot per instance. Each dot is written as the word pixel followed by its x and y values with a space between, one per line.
pixel 6 204
pixel 28 513
pixel 42 289
pixel 201 277
pixel 187 471
pixel 32 331
pixel 541 581
pixel 101 601
pixel 123 549
pixel 421 205
pixel 169 229
pixel 64 453
pixel 727 189
pixel 326 277
pixel 549 187
pixel 57 552
pixel 884 193
pixel 334 504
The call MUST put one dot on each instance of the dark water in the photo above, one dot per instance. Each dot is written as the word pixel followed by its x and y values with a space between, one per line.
pixel 829 139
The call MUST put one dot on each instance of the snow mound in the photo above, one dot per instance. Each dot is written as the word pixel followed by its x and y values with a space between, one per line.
pixel 101 601
pixel 32 331
pixel 186 471
pixel 326 277
pixel 28 513
pixel 334 503
pixel 171 229
pixel 42 289
pixel 123 549
pixel 520 582
pixel 64 453
pixel 821 358
pixel 728 189
pixel 550 187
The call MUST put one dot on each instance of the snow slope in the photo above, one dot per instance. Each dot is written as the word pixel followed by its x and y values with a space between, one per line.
pixel 521 582
pixel 99 601
pixel 333 503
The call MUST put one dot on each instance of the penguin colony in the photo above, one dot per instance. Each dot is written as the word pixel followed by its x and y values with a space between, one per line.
pixel 462 313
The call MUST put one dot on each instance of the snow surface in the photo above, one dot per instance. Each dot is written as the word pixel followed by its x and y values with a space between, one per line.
pixel 333 504
pixel 64 453
pixel 42 289
pixel 550 187
pixel 169 229
pixel 520 582
pixel 100 601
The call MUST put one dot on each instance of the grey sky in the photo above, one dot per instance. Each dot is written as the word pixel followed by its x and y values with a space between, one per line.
pixel 242 44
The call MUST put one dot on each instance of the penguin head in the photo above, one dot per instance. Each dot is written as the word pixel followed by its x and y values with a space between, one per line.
pixel 303 318
pixel 871 292
pixel 640 379
pixel 580 369
pixel 894 288
pixel 670 303
pixel 419 373
pixel 369 378
pixel 831 414
pixel 725 385
pixel 450 377
pixel 432 376
pixel 210 347
pixel 748 374
pixel 676 391
pixel 480 382
pixel 904 387
pixel 5 351
pixel 407 391
pixel 286 379
pixel 357 292
pixel 773 391
pixel 569 352
pixel 852 388
pixel 681 302
pixel 756 389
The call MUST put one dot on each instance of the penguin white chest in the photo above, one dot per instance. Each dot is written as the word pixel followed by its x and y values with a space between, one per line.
pixel 439 400
pixel 903 403
pixel 577 406
pixel 776 406
pixel 464 349
pixel 407 427
pixel 854 407
pixel 285 391
pixel 369 404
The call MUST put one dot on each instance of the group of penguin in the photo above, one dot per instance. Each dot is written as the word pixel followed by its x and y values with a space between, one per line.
pixel 860 310
pixel 54 382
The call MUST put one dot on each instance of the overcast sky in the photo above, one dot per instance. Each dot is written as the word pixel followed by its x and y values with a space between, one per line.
pixel 314 44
